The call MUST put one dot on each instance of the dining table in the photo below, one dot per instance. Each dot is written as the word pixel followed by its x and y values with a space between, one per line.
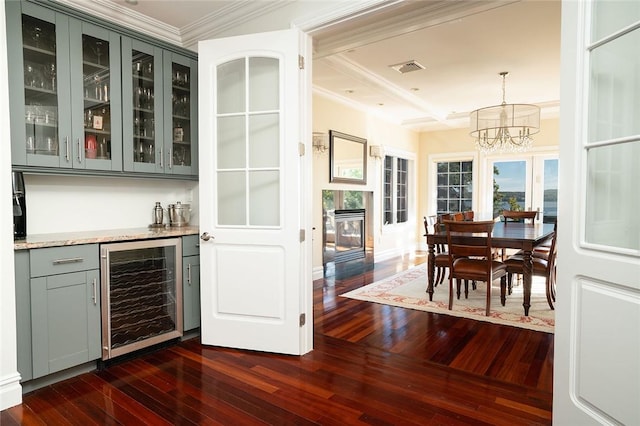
pixel 506 235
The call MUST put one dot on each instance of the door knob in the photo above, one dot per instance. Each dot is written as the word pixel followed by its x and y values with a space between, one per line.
pixel 205 236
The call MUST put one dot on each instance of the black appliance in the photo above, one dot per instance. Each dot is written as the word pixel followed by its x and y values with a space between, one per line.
pixel 19 206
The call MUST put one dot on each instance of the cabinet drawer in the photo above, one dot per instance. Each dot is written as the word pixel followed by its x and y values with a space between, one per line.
pixel 60 260
pixel 190 245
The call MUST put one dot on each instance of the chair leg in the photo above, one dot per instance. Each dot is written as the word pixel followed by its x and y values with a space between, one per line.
pixel 473 284
pixel 551 292
pixel 510 279
pixel 450 293
pixel 503 290
pixel 488 298
pixel 441 274
pixel 466 289
pixel 458 283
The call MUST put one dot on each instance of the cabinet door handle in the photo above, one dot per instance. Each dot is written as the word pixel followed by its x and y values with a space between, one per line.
pixel 67 156
pixel 68 260
pixel 170 159
pixel 95 292
pixel 161 158
pixel 79 152
pixel 189 274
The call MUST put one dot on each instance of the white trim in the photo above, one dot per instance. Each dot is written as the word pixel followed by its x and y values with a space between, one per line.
pixel 10 391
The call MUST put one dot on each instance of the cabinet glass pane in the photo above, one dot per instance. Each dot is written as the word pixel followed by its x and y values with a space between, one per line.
pixel 231 198
pixel 609 16
pixel 144 143
pixel 264 87
pixel 264 198
pixel 613 199
pixel 181 104
pixel 614 103
pixel 97 98
pixel 231 142
pixel 264 140
pixel 231 86
pixel 40 86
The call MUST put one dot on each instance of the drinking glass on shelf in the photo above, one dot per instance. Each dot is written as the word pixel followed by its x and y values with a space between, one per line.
pixel 50 76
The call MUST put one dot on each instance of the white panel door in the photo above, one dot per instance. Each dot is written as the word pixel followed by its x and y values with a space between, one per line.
pixel 597 339
pixel 252 116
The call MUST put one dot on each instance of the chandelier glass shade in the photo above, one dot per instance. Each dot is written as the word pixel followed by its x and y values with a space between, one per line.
pixel 505 127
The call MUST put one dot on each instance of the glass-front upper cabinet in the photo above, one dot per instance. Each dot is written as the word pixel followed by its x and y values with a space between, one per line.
pixel 180 123
pixel 36 57
pixel 98 104
pixel 51 59
pixel 143 148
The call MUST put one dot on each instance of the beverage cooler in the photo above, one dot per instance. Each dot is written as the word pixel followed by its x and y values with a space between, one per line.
pixel 141 294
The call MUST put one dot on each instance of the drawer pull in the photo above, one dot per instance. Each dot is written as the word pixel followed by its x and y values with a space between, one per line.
pixel 69 260
pixel 95 292
pixel 189 274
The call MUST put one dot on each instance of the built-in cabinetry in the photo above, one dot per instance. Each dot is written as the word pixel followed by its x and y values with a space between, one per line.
pixel 191 281
pixel 65 307
pixel 58 301
pixel 86 96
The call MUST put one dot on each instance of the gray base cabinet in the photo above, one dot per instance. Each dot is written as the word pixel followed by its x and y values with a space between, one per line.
pixel 23 315
pixel 65 307
pixel 191 282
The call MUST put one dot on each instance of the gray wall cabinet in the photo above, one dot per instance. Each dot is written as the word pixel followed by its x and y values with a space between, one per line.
pixel 90 97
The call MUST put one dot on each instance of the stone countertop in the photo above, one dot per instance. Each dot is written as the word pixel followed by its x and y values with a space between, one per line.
pixel 104 236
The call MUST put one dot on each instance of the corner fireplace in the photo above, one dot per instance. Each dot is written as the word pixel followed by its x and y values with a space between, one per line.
pixel 347 235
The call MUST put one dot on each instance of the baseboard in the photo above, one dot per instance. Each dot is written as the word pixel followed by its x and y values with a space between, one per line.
pixel 318 273
pixel 10 391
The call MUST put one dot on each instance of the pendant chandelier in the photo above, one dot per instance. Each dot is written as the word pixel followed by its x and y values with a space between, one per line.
pixel 505 127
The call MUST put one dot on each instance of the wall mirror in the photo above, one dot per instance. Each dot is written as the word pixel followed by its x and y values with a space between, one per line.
pixel 347 158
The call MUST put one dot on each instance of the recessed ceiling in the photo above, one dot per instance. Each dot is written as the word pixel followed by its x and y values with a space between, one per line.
pixel 463 46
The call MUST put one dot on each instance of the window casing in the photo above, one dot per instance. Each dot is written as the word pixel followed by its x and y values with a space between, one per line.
pixel 395 190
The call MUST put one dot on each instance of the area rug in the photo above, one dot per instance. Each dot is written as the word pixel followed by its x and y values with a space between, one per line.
pixel 407 289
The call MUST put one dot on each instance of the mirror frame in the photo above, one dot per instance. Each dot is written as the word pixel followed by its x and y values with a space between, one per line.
pixel 341 145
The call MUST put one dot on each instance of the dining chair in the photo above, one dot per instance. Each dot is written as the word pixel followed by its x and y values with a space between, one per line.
pixel 519 215
pixel 471 259
pixel 459 216
pixel 542 267
pixel 468 215
pixel 441 256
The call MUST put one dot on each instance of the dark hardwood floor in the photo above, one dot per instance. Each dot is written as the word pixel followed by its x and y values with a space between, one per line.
pixel 372 364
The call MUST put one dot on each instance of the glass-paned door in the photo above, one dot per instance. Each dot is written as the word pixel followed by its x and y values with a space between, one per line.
pixel 181 102
pixel 41 100
pixel 101 142
pixel 142 114
pixel 526 183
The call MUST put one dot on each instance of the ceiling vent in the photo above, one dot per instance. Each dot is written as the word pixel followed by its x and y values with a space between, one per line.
pixel 408 66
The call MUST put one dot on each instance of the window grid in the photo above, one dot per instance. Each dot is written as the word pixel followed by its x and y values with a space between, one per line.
pixel 395 200
pixel 454 186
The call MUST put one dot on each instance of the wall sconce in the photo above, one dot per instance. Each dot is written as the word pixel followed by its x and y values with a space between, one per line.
pixel 376 151
pixel 320 142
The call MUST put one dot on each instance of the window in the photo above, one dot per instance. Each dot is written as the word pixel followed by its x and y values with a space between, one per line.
pixel 395 190
pixel 455 186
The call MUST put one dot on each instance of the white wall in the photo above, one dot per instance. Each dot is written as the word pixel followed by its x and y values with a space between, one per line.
pixel 329 114
pixel 78 203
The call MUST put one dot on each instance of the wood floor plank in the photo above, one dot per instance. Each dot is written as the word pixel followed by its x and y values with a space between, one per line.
pixel 371 365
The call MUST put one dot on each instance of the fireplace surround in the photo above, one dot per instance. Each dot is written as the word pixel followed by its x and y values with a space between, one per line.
pixel 347 235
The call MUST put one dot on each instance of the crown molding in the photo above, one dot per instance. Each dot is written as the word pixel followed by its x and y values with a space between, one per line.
pixel 398 18
pixel 226 19
pixel 113 12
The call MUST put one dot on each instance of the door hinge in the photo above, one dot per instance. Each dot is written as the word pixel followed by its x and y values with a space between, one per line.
pixel 303 319
pixel 302 235
pixel 301 149
pixel 301 62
